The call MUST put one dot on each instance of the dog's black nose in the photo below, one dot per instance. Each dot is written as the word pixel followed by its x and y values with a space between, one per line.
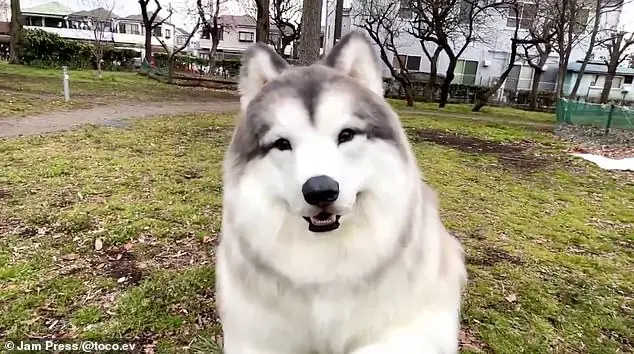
pixel 320 191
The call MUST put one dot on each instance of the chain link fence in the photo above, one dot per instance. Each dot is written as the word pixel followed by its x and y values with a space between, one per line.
pixel 604 116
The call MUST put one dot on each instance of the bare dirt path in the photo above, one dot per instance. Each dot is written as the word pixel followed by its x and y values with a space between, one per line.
pixel 114 115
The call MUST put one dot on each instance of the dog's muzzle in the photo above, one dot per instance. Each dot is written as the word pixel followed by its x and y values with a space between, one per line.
pixel 321 191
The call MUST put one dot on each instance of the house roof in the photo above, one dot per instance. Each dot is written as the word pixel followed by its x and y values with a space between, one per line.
pixel 596 68
pixel 49 8
pixel 182 31
pixel 99 13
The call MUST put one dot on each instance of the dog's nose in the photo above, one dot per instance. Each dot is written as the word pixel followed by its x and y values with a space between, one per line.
pixel 320 191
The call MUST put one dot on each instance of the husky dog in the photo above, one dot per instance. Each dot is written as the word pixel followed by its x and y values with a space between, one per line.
pixel 331 243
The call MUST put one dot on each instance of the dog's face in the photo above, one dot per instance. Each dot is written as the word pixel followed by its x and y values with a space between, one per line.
pixel 316 142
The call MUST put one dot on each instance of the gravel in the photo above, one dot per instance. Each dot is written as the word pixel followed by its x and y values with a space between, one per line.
pixel 618 143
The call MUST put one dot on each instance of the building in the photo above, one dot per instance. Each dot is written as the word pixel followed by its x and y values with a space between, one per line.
pixel 236 35
pixel 593 79
pixel 122 32
pixel 181 38
pixel 482 62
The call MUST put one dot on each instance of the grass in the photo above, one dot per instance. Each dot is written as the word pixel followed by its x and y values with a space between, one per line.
pixel 26 90
pixel 503 113
pixel 108 233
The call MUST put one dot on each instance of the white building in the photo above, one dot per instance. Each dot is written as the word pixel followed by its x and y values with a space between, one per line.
pixel 237 33
pixel 122 32
pixel 482 62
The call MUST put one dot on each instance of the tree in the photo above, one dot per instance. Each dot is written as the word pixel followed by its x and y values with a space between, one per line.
pixel 538 45
pixel 570 23
pixel 420 31
pixel 150 23
pixel 453 25
pixel 17 25
pixel 101 22
pixel 309 41
pixel 208 12
pixel 172 53
pixel 262 21
pixel 483 98
pixel 601 7
pixel 382 23
pixel 338 20
pixel 286 17
pixel 617 45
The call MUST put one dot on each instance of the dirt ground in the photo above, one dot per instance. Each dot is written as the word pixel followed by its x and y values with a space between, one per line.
pixel 112 115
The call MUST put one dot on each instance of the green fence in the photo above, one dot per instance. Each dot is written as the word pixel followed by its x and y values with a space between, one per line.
pixel 596 115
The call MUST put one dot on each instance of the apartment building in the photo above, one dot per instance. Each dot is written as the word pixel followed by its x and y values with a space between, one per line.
pixel 482 61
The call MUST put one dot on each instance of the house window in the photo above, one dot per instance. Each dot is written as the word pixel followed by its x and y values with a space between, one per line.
pixel 525 79
pixel 526 13
pixel 411 62
pixel 246 36
pixel 168 34
pixel 405 10
pixel 205 34
pixel 158 31
pixel 129 28
pixel 465 72
pixel 628 79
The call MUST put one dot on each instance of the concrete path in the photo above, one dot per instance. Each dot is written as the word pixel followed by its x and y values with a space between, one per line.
pixel 106 115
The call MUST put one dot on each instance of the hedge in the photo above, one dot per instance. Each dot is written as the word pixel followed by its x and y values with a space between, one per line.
pixel 46 49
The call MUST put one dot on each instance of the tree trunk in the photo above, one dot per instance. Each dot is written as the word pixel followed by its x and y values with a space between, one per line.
pixel 263 21
pixel 148 44
pixel 482 99
pixel 311 30
pixel 409 94
pixel 537 77
pixel 444 93
pixel 430 86
pixel 98 57
pixel 17 23
pixel 561 72
pixel 607 86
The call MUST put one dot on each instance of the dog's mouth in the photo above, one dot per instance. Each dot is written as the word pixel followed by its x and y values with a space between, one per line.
pixel 323 222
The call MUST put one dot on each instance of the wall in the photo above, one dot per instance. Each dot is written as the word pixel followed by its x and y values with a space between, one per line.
pixel 593 91
pixel 230 39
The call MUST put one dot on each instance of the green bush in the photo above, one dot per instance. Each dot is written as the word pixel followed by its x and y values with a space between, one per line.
pixel 45 49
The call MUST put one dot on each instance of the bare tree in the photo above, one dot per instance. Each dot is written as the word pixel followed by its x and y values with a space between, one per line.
pixel 309 41
pixel 209 11
pixel 382 23
pixel 617 45
pixel 173 52
pixel 483 98
pixel 538 45
pixel 420 31
pixel 101 23
pixel 286 17
pixel 262 20
pixel 570 27
pixel 453 25
pixel 601 7
pixel 150 23
pixel 17 24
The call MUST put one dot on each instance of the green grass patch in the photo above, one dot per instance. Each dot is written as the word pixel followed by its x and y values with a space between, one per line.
pixel 503 113
pixel 27 90
pixel 108 233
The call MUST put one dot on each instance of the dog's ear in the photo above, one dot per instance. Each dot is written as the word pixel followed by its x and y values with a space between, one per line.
pixel 259 64
pixel 354 56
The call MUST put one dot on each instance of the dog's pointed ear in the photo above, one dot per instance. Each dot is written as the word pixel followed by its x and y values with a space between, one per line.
pixel 259 65
pixel 354 56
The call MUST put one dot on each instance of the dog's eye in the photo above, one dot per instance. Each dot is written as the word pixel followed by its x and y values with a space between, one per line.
pixel 346 135
pixel 282 144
